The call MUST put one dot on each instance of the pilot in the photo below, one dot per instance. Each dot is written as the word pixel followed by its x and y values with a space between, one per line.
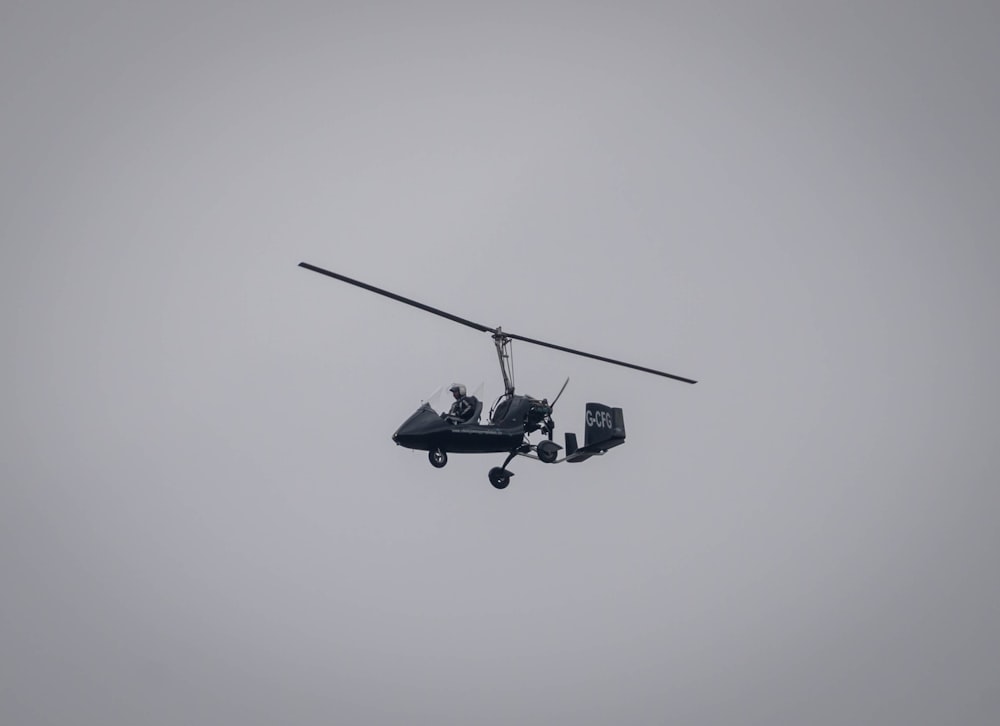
pixel 464 407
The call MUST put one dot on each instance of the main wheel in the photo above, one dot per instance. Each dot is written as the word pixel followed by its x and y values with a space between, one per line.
pixel 499 478
pixel 547 452
pixel 437 457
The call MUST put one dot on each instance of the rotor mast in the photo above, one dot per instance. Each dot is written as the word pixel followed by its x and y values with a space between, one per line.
pixel 502 342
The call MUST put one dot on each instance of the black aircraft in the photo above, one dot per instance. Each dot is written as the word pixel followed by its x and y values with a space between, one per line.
pixel 513 418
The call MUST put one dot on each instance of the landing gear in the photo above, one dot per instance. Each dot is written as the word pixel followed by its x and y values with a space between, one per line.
pixel 500 477
pixel 437 457
pixel 547 451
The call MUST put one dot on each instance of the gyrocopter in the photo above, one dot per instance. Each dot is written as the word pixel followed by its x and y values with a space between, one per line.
pixel 513 419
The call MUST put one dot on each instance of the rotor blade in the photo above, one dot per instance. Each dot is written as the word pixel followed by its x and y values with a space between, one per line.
pixel 398 298
pixel 598 357
pixel 484 328
pixel 553 404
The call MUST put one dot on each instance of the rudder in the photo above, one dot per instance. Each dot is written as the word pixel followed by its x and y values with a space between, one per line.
pixel 605 427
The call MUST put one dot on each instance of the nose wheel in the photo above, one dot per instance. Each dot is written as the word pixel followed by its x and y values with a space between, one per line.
pixel 437 457
pixel 500 477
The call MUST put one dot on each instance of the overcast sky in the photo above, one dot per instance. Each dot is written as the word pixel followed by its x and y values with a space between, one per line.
pixel 203 519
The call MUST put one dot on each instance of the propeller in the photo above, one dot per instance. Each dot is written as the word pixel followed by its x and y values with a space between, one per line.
pixel 553 404
pixel 548 425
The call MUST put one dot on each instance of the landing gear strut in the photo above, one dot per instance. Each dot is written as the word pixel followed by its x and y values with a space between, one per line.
pixel 499 476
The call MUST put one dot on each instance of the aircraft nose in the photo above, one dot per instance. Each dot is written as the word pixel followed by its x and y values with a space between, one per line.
pixel 413 433
pixel 402 438
pixel 405 434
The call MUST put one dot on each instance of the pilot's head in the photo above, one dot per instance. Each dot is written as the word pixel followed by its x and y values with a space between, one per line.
pixel 457 390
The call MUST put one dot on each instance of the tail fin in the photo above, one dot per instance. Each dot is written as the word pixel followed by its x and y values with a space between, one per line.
pixel 605 429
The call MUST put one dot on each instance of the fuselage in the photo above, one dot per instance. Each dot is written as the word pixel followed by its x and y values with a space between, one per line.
pixel 513 417
pixel 425 430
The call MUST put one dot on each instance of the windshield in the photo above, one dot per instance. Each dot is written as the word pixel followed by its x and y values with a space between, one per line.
pixel 441 399
pixel 434 400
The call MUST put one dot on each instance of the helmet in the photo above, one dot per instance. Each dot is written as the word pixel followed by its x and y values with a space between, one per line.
pixel 457 388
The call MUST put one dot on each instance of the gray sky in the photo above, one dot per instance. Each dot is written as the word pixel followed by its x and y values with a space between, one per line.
pixel 202 516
